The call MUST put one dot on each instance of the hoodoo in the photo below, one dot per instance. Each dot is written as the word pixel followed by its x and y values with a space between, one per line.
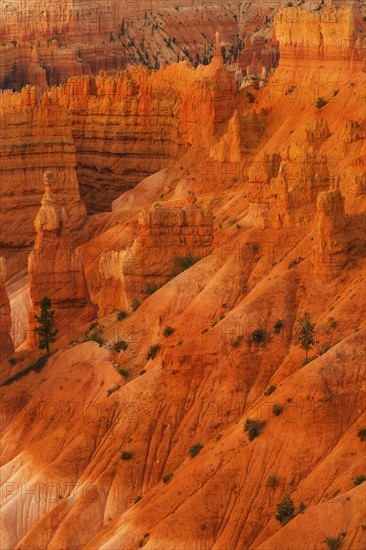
pixel 56 269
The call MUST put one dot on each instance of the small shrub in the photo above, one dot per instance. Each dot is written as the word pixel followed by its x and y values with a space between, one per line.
pixel 167 477
pixel 236 343
pixel 323 349
pixel 135 304
pixel 125 373
pixel 137 499
pixel 272 481
pixel 358 480
pixel 126 455
pixel 301 508
pixel 295 262
pixel 250 97
pixel 142 372
pixel 151 288
pixel 362 434
pixel 253 427
pixel 258 336
pixel 120 345
pixel 254 247
pixel 244 289
pixel 94 334
pixel 333 543
pixel 168 331
pixel 195 449
pixel 270 390
pixel 112 390
pixel 121 315
pixel 277 326
pixel 285 510
pixel 185 262
pixel 277 409
pixel 321 102
pixel 13 360
pixel 153 352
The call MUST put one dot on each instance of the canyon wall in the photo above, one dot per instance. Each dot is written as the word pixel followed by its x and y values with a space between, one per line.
pixel 6 343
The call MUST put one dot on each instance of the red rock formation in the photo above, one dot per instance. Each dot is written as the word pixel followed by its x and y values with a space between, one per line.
pixel 35 136
pixel 330 249
pixel 56 269
pixel 6 343
pixel 170 239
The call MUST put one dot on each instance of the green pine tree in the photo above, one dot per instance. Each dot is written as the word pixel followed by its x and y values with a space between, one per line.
pixel 306 333
pixel 46 330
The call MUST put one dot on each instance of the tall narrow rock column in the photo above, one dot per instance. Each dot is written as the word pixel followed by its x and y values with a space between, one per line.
pixel 6 343
pixel 56 270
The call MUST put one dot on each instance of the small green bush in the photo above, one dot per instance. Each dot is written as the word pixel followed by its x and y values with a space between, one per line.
pixel 362 434
pixel 137 499
pixel 135 304
pixel 120 345
pixel 94 334
pixel 153 352
pixel 301 508
pixel 253 427
pixel 126 455
pixel 272 481
pixel 236 343
pixel 123 372
pixel 195 449
pixel 285 510
pixel 277 409
pixel 277 326
pixel 13 361
pixel 333 543
pixel 321 102
pixel 185 262
pixel 358 480
pixel 168 331
pixel 250 97
pixel 258 336
pixel 167 477
pixel 151 288
pixel 270 390
pixel 121 315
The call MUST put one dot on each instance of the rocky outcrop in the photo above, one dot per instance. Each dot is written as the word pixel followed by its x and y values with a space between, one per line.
pixel 35 136
pixel 6 343
pixel 170 239
pixel 56 269
pixel 330 249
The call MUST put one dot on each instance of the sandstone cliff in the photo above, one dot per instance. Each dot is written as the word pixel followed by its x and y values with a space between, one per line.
pixel 6 343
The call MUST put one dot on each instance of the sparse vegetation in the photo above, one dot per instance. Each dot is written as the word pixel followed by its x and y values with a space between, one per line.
pixel 277 409
pixel 321 102
pixel 135 304
pixel 151 288
pixel 46 330
pixel 13 361
pixel 306 333
pixel 270 390
pixel 295 262
pixel 112 390
pixel 195 449
pixel 362 434
pixel 123 372
pixel 168 331
pixel 37 366
pixel 94 334
pixel 126 455
pixel 333 543
pixel 184 262
pixel 258 336
pixel 236 343
pixel 277 326
pixel 358 480
pixel 121 315
pixel 285 510
pixel 167 477
pixel 250 97
pixel 137 499
pixel 153 352
pixel 120 345
pixel 253 427
pixel 272 481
